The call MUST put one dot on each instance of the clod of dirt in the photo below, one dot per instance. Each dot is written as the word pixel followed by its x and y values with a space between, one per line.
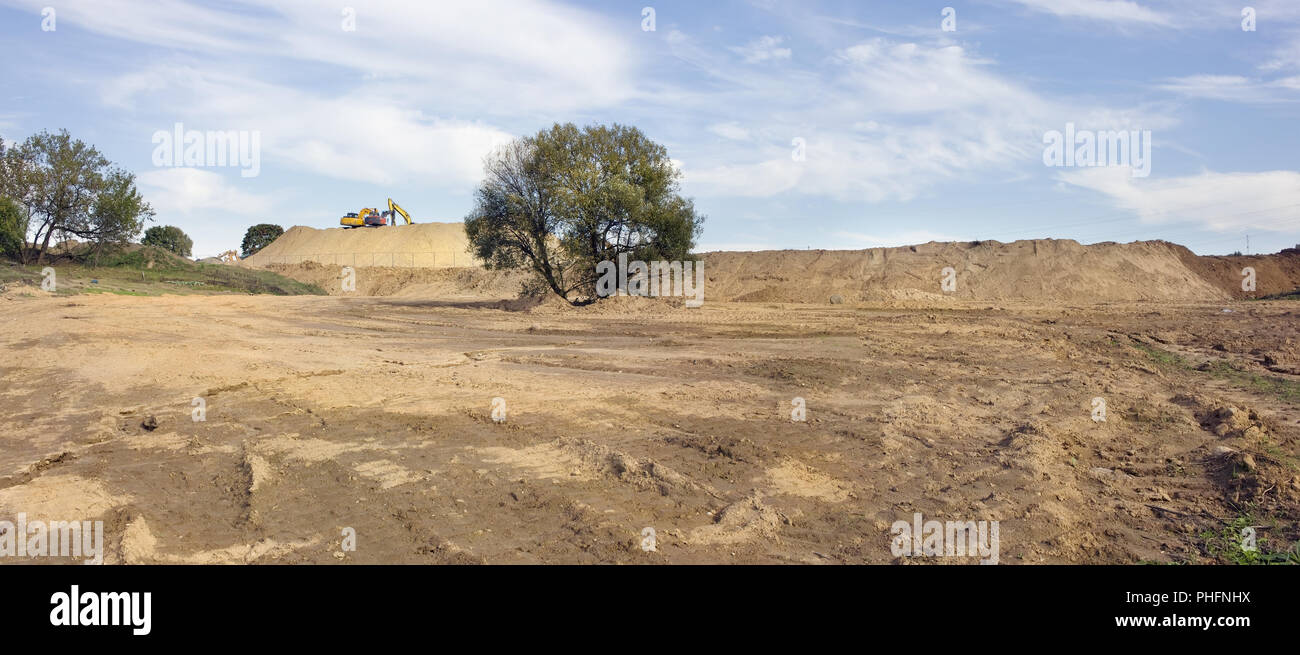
pixel 645 473
pixel 1103 473
pixel 1229 421
pixel 1248 463
pixel 744 520
pixel 149 423
pixel 138 544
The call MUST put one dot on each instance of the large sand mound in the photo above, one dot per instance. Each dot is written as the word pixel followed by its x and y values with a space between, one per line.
pixel 1037 270
pixel 423 245
pixel 448 283
pixel 1043 270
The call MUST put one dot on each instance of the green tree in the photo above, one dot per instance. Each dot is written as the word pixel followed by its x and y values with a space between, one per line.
pixel 259 236
pixel 169 237
pixel 11 229
pixel 566 199
pixel 67 187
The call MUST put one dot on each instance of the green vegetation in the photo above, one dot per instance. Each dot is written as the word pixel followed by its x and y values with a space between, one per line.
pixel 66 187
pixel 11 229
pixel 1290 295
pixel 1264 384
pixel 1163 357
pixel 1229 544
pixel 562 201
pixel 151 271
pixel 168 237
pixel 257 237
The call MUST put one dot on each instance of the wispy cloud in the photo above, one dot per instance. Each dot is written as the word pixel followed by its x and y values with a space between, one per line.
pixel 1112 11
pixel 1219 202
pixel 730 130
pixel 1235 88
pixel 762 49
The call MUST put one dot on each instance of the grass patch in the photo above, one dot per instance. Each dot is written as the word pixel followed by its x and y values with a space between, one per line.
pixel 1163 357
pixel 1263 384
pixel 117 292
pixel 148 271
pixel 1283 388
pixel 1290 295
pixel 1230 544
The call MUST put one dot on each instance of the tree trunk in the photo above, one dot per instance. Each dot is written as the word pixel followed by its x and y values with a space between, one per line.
pixel 40 256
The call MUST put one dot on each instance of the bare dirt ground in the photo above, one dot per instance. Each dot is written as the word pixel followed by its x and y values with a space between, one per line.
pixel 326 413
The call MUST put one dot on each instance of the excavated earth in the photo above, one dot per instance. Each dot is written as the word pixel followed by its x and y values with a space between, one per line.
pixel 376 412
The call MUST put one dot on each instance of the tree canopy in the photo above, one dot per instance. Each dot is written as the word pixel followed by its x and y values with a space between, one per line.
pixel 259 236
pixel 11 229
pixel 562 201
pixel 66 187
pixel 170 238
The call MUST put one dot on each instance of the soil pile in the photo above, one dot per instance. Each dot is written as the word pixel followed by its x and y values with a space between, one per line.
pixel 423 245
pixel 1044 270
pixel 399 260
pixel 464 283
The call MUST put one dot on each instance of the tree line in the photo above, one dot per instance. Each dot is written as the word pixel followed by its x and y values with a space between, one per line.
pixel 557 204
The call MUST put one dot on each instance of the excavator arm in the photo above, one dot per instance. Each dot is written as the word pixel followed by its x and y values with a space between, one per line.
pixel 397 208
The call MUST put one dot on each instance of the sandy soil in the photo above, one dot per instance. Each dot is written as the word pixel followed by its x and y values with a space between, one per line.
pixel 326 413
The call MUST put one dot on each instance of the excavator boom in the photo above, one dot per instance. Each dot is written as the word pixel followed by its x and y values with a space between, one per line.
pixel 394 207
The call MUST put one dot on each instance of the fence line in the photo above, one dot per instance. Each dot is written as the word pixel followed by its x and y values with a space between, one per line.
pixel 426 259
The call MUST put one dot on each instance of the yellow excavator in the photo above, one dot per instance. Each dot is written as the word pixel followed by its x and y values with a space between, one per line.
pixel 393 210
pixel 371 217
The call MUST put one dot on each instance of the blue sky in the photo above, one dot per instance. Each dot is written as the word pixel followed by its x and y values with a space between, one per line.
pixel 909 132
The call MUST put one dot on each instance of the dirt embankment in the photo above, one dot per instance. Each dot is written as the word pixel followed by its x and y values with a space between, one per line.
pixel 1039 270
pixel 476 283
pixel 1274 274
pixel 405 260
pixel 424 245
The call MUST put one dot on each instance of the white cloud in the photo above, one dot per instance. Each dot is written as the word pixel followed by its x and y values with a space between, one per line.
pixel 363 136
pixel 185 191
pixel 759 179
pixel 1287 57
pixel 904 77
pixel 1113 11
pixel 490 59
pixel 766 48
pixel 730 130
pixel 1235 88
pixel 899 117
pixel 528 55
pixel 1220 202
